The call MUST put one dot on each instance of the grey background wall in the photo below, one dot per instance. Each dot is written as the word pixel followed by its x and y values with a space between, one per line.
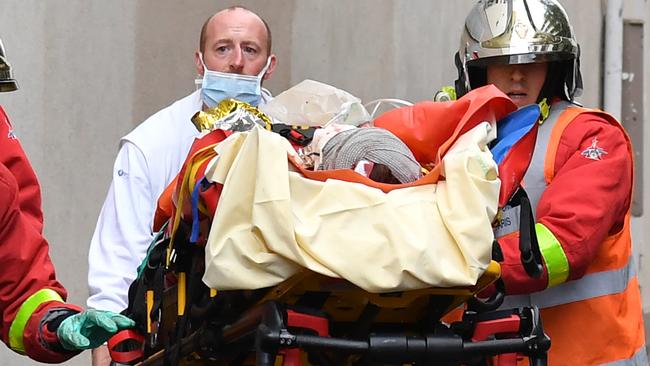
pixel 89 71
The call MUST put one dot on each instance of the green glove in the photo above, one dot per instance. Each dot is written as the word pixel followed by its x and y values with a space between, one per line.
pixel 90 329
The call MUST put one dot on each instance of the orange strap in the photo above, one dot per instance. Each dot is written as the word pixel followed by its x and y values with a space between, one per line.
pixel 568 116
pixel 198 157
pixel 165 207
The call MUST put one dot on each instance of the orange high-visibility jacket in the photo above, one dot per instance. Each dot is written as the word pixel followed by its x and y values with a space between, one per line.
pixel 580 185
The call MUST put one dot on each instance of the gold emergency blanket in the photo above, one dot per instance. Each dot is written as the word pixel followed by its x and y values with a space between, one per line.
pixel 271 221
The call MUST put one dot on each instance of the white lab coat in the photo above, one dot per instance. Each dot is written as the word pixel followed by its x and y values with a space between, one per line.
pixel 149 158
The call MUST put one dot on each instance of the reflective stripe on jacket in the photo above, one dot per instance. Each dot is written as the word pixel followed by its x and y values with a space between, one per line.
pixel 593 314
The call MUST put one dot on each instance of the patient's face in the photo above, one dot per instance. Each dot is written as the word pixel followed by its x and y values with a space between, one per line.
pixel 381 173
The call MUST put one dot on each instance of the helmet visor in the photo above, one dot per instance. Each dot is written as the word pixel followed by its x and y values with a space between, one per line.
pixel 7 82
pixel 518 59
pixel 8 86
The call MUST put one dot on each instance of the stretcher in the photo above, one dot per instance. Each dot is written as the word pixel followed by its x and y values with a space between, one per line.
pixel 315 320
pixel 309 317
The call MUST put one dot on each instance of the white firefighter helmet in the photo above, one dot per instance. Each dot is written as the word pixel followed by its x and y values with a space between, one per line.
pixel 519 32
pixel 7 82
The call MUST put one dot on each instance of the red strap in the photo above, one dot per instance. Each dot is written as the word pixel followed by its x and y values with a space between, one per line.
pixel 316 323
pixel 487 328
pixel 507 325
pixel 290 357
pixel 300 320
pixel 126 357
pixel 514 166
pixel 507 359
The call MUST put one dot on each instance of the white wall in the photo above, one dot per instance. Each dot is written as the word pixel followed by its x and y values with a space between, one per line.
pixel 640 10
pixel 89 71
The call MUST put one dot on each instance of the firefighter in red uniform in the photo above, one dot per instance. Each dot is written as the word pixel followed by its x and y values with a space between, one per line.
pixel 579 183
pixel 36 321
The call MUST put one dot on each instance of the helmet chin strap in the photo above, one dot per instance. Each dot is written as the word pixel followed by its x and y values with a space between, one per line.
pixel 462 83
pixel 559 81
pixel 577 77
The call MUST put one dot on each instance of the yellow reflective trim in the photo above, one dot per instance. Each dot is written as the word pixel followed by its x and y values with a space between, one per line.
pixel 544 109
pixel 556 261
pixel 445 94
pixel 17 328
pixel 450 90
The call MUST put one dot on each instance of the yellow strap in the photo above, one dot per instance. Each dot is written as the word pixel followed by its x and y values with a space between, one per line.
pixel 149 307
pixel 184 188
pixel 182 281
pixel 189 182
pixel 25 312
pixel 192 181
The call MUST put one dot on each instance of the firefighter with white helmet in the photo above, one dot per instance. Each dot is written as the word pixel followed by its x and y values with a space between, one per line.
pixel 579 183
pixel 35 320
pixel 519 33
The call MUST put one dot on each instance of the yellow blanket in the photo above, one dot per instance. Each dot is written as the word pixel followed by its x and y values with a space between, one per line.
pixel 271 221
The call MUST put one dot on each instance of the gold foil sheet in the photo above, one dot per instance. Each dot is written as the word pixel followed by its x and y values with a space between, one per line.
pixel 231 115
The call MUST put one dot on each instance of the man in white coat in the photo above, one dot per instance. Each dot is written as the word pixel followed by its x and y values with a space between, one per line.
pixel 233 58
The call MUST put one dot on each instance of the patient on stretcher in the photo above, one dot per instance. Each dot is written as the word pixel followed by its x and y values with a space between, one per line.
pixel 373 152
pixel 329 129
pixel 288 210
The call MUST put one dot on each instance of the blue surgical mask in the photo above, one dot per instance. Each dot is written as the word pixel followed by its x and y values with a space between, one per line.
pixel 217 86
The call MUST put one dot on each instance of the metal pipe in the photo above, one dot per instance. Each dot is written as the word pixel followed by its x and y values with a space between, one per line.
pixel 613 58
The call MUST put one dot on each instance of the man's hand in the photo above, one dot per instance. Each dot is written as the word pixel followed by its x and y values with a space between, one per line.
pixel 100 356
pixel 90 329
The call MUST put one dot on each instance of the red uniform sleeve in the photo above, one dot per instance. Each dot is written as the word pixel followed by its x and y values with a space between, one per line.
pixel 13 157
pixel 24 257
pixel 586 201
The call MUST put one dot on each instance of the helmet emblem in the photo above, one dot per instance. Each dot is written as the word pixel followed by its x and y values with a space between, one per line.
pixel 594 152
pixel 521 29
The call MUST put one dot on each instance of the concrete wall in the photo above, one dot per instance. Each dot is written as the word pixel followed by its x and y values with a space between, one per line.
pixel 640 10
pixel 90 71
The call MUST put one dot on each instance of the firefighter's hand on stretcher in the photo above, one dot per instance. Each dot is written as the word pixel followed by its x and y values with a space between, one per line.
pixel 90 329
